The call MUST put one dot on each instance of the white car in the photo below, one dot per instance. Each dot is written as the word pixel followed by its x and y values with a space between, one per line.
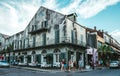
pixel 4 63
pixel 114 64
pixel 32 64
pixel 22 64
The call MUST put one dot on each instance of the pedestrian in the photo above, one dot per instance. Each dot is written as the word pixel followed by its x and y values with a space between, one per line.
pixel 74 65
pixel 70 65
pixel 90 63
pixel 80 63
pixel 62 65
pixel 65 66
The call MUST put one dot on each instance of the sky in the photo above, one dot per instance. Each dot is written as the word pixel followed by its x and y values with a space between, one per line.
pixel 15 15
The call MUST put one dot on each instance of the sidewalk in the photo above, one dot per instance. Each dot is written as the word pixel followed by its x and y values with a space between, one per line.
pixel 48 70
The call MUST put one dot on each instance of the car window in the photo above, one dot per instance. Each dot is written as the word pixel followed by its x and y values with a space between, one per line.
pixel 114 61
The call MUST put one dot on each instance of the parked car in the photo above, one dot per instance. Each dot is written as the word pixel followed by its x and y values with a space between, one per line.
pixel 32 64
pixel 22 64
pixel 114 64
pixel 4 63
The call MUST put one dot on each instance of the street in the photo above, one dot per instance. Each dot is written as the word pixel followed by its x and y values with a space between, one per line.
pixel 23 72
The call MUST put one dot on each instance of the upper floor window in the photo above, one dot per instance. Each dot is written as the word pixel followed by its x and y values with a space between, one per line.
pixel 81 39
pixel 34 27
pixel 44 38
pixel 44 24
pixel 47 15
pixel 40 14
pixel 57 35
pixel 0 43
pixel 56 26
pixel 99 44
pixel 74 36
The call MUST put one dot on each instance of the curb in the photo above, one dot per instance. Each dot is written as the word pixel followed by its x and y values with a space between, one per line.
pixel 34 69
pixel 44 70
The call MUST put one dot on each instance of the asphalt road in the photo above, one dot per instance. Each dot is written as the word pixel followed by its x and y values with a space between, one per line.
pixel 23 72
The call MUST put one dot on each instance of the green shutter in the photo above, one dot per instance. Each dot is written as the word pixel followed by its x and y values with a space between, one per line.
pixel 29 59
pixel 72 36
pixel 38 58
pixel 44 38
pixel 49 59
pixel 56 36
pixel 62 56
pixel 34 41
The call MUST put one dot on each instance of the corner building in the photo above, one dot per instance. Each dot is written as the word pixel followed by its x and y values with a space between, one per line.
pixel 49 37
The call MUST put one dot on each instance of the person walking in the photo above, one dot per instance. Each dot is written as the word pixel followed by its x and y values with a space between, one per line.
pixel 65 66
pixel 70 65
pixel 74 65
pixel 62 65
pixel 80 63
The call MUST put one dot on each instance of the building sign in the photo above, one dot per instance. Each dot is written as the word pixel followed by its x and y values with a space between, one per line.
pixel 89 51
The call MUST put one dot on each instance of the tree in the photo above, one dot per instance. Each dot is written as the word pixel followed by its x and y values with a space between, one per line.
pixel 105 53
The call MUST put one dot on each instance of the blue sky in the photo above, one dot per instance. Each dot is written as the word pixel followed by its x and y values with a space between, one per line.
pixel 104 14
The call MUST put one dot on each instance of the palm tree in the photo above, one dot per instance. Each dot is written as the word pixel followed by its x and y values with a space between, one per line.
pixel 105 53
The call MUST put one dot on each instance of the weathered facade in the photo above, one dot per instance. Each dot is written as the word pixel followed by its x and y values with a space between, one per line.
pixel 48 38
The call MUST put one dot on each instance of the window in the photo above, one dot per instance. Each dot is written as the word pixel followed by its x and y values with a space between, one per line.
pixel 56 36
pixel 35 27
pixel 81 39
pixel 20 43
pixel 99 44
pixel 32 27
pixel 44 24
pixel 44 38
pixel 56 26
pixel 74 36
pixel 41 13
pixel 0 43
pixel 56 53
pixel 44 52
pixel 34 58
pixel 57 57
pixel 44 58
pixel 34 40
pixel 64 29
pixel 47 15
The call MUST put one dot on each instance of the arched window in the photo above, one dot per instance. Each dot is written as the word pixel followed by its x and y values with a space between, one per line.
pixel 44 52
pixel 33 52
pixel 56 53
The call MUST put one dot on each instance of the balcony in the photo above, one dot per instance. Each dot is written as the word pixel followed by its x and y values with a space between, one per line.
pixel 114 45
pixel 43 29
pixel 63 41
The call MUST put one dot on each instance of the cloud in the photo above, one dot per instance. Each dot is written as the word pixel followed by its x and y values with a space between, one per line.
pixel 51 4
pixel 15 15
pixel 88 8
pixel 116 35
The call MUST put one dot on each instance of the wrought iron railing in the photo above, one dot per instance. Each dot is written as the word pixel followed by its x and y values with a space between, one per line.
pixel 38 30
pixel 62 40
